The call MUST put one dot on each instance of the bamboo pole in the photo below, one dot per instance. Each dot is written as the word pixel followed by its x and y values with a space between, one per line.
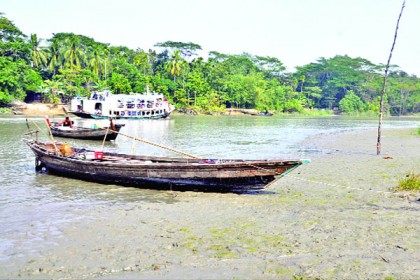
pixel 51 136
pixel 381 106
pixel 155 144
pixel 103 142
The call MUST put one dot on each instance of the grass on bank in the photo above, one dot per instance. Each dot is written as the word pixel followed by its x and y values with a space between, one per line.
pixel 410 182
pixel 4 110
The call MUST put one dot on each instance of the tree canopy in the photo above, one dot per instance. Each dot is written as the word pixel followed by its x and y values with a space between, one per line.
pixel 68 65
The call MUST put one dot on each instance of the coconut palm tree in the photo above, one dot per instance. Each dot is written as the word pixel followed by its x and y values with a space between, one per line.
pixel 141 59
pixel 107 62
pixel 54 57
pixel 39 57
pixel 73 55
pixel 96 60
pixel 175 65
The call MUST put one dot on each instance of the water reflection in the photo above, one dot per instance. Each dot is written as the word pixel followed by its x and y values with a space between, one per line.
pixel 89 193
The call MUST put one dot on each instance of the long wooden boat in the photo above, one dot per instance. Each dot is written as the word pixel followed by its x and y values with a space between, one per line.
pixel 85 133
pixel 158 172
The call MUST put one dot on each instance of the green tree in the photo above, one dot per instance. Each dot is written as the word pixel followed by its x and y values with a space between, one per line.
pixel 50 91
pixel 76 81
pixel 186 49
pixel 351 103
pixel 12 41
pixel 119 84
pixel 16 78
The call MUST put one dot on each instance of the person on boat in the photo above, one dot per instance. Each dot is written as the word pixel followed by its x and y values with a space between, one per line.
pixel 66 122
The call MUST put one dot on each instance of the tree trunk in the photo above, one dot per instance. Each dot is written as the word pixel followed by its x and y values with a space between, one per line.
pixel 381 108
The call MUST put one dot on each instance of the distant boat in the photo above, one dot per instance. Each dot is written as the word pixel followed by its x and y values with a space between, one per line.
pixel 102 105
pixel 78 132
pixel 158 172
pixel 264 114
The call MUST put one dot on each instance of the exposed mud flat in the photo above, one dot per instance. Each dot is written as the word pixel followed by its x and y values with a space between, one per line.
pixel 334 218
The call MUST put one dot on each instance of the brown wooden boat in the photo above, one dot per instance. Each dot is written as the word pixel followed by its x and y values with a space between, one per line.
pixel 86 133
pixel 158 172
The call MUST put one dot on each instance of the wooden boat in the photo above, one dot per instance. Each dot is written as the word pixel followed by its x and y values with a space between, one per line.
pixel 158 172
pixel 85 133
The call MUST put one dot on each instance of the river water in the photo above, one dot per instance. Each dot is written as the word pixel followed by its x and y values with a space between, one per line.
pixel 34 205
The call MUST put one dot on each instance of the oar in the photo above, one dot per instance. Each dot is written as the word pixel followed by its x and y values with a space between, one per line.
pixel 155 144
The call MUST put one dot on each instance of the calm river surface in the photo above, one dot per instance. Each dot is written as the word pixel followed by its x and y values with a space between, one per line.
pixel 34 205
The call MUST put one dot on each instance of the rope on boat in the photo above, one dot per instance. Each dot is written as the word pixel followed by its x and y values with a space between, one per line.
pixel 155 144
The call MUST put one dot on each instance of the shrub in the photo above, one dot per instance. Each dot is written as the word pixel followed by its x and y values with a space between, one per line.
pixel 411 182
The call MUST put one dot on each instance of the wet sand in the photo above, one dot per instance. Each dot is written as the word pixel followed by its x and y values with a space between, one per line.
pixel 334 218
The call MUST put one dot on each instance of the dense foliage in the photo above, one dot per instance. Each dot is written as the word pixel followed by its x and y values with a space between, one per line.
pixel 68 65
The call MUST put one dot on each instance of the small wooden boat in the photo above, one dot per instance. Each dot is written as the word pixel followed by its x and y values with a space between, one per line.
pixel 158 172
pixel 85 133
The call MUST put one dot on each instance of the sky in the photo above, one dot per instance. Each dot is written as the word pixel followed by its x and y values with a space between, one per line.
pixel 297 32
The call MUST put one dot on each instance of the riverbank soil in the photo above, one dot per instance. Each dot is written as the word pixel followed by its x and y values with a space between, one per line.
pixel 37 109
pixel 334 218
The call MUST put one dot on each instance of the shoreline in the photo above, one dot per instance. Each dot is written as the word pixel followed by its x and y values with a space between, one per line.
pixel 37 109
pixel 334 218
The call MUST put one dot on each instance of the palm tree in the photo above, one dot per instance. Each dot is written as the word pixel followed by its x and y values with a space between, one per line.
pixel 96 61
pixel 54 57
pixel 106 62
pixel 73 56
pixel 175 65
pixel 39 57
pixel 141 59
pixel 51 89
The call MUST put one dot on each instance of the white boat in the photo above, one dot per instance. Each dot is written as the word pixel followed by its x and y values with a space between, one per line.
pixel 102 105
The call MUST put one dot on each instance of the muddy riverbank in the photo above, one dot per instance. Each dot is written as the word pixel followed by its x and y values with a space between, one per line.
pixel 334 218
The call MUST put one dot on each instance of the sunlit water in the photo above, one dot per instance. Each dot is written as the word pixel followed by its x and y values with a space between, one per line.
pixel 33 204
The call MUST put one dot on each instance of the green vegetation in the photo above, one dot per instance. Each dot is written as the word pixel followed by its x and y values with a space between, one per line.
pixel 410 182
pixel 69 65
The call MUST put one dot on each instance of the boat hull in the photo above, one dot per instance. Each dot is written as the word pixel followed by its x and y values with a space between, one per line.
pixel 87 133
pixel 94 116
pixel 164 173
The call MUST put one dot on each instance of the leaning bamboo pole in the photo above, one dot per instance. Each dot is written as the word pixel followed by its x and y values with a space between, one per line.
pixel 155 144
pixel 51 136
pixel 103 142
pixel 381 107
